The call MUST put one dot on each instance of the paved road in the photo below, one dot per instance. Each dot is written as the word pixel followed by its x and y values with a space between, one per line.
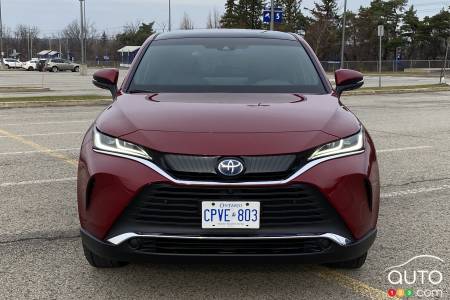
pixel 68 83
pixel 41 257
pixel 61 83
pixel 372 81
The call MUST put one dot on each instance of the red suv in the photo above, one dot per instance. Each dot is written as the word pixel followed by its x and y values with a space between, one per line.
pixel 227 143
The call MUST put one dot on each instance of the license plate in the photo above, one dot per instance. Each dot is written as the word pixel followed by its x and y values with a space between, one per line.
pixel 230 214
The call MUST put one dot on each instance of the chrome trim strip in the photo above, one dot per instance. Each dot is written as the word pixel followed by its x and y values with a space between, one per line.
pixel 340 240
pixel 161 172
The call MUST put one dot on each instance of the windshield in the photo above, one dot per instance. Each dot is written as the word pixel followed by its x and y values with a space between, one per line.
pixel 226 65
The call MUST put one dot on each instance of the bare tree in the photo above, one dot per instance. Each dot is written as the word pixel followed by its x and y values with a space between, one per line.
pixel 131 28
pixel 73 30
pixel 213 20
pixel 71 35
pixel 186 22
pixel 23 37
pixel 162 26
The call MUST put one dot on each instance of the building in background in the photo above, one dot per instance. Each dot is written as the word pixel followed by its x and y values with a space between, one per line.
pixel 128 53
pixel 48 54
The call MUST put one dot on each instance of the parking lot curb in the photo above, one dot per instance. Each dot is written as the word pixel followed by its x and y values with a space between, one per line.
pixel 22 104
pixel 8 89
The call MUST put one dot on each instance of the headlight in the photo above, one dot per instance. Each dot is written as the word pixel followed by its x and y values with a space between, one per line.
pixel 347 145
pixel 111 144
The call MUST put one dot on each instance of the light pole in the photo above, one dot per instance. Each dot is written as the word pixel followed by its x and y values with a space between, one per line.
pixel 272 16
pixel 380 35
pixel 83 67
pixel 28 43
pixel 31 45
pixel 444 67
pixel 1 37
pixel 85 32
pixel 343 35
pixel 170 17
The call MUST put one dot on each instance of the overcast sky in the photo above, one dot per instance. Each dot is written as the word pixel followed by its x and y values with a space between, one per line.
pixel 110 15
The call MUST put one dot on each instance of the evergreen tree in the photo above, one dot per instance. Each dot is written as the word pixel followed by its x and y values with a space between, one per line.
pixel 104 38
pixel 438 29
pixel 323 31
pixel 229 18
pixel 249 14
pixel 409 29
pixel 134 35
pixel 293 18
pixel 386 13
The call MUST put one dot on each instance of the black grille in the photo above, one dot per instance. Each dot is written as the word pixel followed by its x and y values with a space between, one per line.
pixel 223 247
pixel 286 206
pixel 208 164
pixel 257 168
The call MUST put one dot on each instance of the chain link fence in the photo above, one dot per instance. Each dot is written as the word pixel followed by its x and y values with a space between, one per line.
pixel 425 66
pixel 103 64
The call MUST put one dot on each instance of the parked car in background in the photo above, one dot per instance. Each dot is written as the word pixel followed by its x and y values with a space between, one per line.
pixel 31 65
pixel 12 63
pixel 59 64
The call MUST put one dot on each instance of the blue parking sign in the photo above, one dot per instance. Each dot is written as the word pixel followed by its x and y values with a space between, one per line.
pixel 266 18
pixel 278 16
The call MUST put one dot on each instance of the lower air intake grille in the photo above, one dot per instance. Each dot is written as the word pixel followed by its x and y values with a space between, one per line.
pixel 223 247
pixel 286 206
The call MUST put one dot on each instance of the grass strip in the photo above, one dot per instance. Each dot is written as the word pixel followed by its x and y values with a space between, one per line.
pixel 53 98
pixel 364 90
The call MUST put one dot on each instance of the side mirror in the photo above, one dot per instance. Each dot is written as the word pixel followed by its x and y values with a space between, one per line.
pixel 347 80
pixel 107 79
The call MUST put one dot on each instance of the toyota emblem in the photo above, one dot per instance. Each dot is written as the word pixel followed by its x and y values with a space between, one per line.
pixel 230 167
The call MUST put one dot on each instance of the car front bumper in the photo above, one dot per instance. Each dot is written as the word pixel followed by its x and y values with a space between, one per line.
pixel 108 185
pixel 129 251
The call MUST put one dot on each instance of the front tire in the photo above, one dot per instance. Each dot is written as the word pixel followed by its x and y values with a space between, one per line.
pixel 355 263
pixel 101 262
pixel 30 69
pixel 55 69
pixel 76 69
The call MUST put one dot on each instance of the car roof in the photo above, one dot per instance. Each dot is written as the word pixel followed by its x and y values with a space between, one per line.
pixel 225 33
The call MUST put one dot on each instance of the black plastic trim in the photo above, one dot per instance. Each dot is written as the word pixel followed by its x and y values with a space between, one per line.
pixel 334 253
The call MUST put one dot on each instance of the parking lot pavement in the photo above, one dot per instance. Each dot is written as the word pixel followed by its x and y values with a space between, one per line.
pixel 61 83
pixel 372 81
pixel 40 252
pixel 68 83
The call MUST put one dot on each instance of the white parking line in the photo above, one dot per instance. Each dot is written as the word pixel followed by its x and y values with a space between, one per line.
pixel 415 191
pixel 6 184
pixel 46 123
pixel 403 149
pixel 46 134
pixel 39 151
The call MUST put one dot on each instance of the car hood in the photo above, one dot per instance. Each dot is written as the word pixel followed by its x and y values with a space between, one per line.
pixel 228 124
